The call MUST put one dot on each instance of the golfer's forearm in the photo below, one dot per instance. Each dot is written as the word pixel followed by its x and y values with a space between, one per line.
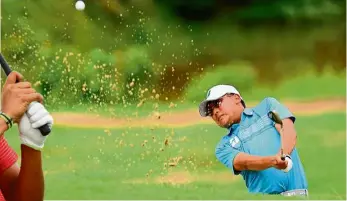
pixel 289 137
pixel 30 184
pixel 248 162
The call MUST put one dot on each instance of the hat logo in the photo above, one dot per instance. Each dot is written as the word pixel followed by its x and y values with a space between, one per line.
pixel 208 93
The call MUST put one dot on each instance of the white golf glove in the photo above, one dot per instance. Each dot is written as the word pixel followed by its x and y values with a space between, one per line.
pixel 35 117
pixel 290 164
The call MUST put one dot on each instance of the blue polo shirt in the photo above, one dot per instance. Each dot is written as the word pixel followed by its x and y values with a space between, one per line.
pixel 257 135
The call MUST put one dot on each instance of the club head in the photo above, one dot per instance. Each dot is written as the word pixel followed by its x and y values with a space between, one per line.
pixel 275 117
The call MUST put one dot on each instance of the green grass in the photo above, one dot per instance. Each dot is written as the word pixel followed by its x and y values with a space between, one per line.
pixel 305 86
pixel 91 164
pixel 308 86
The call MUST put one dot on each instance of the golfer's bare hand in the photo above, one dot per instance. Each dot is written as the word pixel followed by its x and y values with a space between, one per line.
pixel 279 163
pixel 17 96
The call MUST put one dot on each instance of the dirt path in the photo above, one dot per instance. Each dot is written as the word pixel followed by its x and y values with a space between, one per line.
pixel 184 118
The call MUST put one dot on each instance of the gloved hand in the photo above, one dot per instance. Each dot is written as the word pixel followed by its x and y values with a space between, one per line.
pixel 35 117
pixel 289 161
pixel 283 165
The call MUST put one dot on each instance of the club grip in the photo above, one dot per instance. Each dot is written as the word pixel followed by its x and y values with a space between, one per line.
pixel 45 130
pixel 275 117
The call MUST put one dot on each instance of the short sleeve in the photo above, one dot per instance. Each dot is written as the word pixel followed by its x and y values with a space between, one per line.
pixel 8 156
pixel 226 155
pixel 282 110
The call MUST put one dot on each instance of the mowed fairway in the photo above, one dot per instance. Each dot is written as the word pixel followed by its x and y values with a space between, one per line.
pixel 177 163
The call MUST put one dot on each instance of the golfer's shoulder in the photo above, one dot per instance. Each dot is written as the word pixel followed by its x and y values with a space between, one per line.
pixel 263 104
pixel 262 107
pixel 267 102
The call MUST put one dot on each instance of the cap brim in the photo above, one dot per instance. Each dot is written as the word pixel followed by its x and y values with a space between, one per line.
pixel 203 107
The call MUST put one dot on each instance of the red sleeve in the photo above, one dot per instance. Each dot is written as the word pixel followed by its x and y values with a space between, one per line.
pixel 2 198
pixel 8 156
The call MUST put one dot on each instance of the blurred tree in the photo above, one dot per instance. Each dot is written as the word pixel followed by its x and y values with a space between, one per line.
pixel 171 41
pixel 253 12
pixel 193 10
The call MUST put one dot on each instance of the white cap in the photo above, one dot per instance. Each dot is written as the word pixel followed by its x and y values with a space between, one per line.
pixel 215 93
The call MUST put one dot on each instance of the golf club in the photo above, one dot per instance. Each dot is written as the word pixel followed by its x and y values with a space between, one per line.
pixel 45 130
pixel 276 118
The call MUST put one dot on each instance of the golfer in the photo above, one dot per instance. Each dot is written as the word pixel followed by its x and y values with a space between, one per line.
pixel 252 144
pixel 24 182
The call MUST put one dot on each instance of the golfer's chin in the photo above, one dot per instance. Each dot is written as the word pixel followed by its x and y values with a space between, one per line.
pixel 224 123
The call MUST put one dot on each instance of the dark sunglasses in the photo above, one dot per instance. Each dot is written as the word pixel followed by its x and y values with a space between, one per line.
pixel 215 104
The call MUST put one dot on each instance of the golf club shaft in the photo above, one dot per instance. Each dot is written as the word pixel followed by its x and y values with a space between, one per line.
pixel 5 65
pixel 276 118
pixel 281 133
pixel 45 130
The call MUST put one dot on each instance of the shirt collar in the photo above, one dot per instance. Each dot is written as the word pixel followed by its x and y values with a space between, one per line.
pixel 233 127
pixel 246 111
